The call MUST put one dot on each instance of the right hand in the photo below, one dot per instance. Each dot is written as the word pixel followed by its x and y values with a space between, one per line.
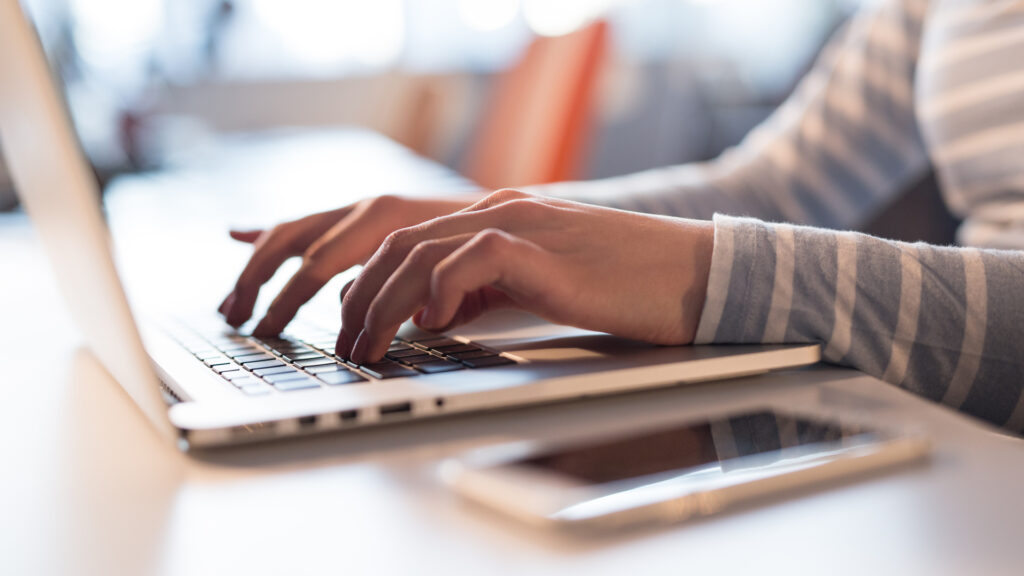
pixel 329 243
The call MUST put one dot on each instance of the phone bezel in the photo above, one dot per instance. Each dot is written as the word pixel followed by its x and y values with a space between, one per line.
pixel 496 477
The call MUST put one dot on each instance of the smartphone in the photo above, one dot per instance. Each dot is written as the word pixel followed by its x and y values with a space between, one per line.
pixel 675 472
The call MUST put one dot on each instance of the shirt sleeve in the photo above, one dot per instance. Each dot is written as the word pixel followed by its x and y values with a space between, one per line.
pixel 843 145
pixel 942 322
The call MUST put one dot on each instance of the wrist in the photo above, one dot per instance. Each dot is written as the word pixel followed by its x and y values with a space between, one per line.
pixel 699 244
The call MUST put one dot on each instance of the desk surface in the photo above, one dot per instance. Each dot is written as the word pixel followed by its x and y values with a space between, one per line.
pixel 88 488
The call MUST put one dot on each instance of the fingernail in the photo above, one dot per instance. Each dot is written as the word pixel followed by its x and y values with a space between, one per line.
pixel 427 317
pixel 226 305
pixel 342 346
pixel 359 350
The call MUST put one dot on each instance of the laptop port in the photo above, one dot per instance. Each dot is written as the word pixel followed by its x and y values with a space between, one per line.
pixel 348 416
pixel 307 421
pixel 390 410
pixel 439 402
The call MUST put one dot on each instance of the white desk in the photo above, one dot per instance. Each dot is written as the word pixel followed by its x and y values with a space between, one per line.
pixel 88 488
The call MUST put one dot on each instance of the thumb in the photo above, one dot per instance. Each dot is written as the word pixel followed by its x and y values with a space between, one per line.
pixel 247 236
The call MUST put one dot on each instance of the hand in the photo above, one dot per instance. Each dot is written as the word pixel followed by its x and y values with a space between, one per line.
pixel 329 243
pixel 629 274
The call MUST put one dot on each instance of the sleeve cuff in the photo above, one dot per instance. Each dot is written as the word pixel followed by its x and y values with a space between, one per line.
pixel 740 283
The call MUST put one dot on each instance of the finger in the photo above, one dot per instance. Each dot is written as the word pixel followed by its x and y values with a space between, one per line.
pixel 511 215
pixel 247 236
pixel 301 287
pixel 520 269
pixel 402 295
pixel 473 305
pixel 226 304
pixel 345 289
pixel 270 251
pixel 342 247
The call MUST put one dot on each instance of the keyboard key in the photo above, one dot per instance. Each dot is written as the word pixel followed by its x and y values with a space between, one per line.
pixel 247 351
pixel 284 377
pixel 235 375
pixel 438 367
pixel 307 354
pixel 260 390
pixel 291 385
pixel 341 377
pixel 239 349
pixel 404 353
pixel 263 364
pixel 487 361
pixel 247 381
pixel 246 358
pixel 460 356
pixel 321 361
pixel 225 368
pixel 274 370
pixel 437 341
pixel 217 360
pixel 451 349
pixel 386 370
pixel 398 347
pixel 325 369
pixel 288 347
pixel 207 353
pixel 420 359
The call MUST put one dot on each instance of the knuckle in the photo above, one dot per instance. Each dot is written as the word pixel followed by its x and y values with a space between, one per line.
pixel 398 241
pixel 315 270
pixel 313 254
pixel 422 253
pixel 505 195
pixel 491 241
pixel 523 206
pixel 383 203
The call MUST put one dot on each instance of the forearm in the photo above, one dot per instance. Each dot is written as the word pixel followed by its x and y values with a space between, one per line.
pixel 941 322
pixel 697 190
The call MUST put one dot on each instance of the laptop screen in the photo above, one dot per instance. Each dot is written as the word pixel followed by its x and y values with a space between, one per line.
pixel 93 92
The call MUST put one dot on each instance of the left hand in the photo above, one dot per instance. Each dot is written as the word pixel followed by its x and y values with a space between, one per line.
pixel 632 275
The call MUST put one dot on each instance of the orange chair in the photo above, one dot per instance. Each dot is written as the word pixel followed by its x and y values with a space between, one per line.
pixel 536 124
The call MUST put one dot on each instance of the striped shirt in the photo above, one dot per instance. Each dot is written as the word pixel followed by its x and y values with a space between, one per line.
pixel 906 86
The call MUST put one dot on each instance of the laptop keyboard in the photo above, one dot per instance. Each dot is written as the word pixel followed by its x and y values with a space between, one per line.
pixel 289 363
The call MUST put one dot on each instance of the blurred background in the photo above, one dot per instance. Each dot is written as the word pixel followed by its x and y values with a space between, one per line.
pixel 597 87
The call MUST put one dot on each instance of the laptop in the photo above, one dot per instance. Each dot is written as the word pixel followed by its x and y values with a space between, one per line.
pixel 203 384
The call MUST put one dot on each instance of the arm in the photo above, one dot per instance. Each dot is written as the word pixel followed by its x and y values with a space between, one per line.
pixel 841 147
pixel 944 323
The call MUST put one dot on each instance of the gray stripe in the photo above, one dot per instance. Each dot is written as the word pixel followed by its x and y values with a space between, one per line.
pixel 878 299
pixel 746 303
pixel 937 349
pixel 991 113
pixel 996 387
pixel 909 311
pixel 815 269
pixel 782 287
pixel 845 298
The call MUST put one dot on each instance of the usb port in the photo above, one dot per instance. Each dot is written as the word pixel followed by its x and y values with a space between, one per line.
pixel 395 409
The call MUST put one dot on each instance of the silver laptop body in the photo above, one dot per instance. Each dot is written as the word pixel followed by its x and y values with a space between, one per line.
pixel 185 376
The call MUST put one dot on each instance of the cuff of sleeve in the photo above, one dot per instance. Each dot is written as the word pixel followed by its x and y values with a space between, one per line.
pixel 742 267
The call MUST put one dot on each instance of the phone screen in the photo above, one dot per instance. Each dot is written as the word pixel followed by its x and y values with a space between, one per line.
pixel 721 441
